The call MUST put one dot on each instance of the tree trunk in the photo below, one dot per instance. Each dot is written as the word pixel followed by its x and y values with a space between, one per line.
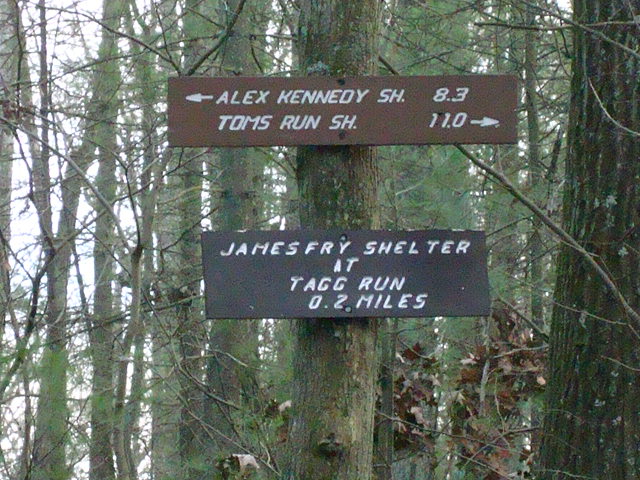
pixel 9 57
pixel 189 318
pixel 592 417
pixel 385 445
pixel 335 361
pixel 51 434
pixel 240 184
pixel 102 134
pixel 536 248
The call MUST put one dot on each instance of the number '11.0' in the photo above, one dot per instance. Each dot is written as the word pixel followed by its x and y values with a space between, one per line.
pixel 447 120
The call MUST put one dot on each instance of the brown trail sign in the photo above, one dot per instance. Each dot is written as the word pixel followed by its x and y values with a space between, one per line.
pixel 325 274
pixel 391 110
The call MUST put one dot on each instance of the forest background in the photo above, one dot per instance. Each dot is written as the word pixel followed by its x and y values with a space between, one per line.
pixel 108 368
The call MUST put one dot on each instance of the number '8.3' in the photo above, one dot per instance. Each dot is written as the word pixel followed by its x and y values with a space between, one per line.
pixel 442 95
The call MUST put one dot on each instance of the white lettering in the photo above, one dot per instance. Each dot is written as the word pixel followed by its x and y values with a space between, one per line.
pixel 342 298
pixel 229 250
pixel 295 97
pixel 378 302
pixel 310 285
pixel 238 123
pixel 234 98
pixel 347 96
pixel 242 122
pixel 344 246
pixel 343 122
pixel 300 122
pixel 399 248
pixel 326 248
pixel 381 284
pixel 249 96
pixel 391 95
pixel 361 94
pixel 446 247
pixel 337 268
pixel 262 96
pixel 284 96
pixel 264 123
pixel 275 248
pixel 295 281
pixel 311 246
pixel 292 248
pixel 336 96
pixel 367 299
pixel 370 248
pixel 315 302
pixel 224 98
pixel 365 283
pixel 404 300
pixel 351 261
pixel 387 303
pixel 432 244
pixel 463 246
pixel 421 301
pixel 223 121
pixel 385 247
pixel 338 285
pixel 263 247
pixel 397 283
pixel 324 283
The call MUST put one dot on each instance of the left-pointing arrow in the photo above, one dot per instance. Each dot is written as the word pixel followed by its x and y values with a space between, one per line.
pixel 198 97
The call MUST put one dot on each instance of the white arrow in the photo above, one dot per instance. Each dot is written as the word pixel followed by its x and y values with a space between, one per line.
pixel 198 97
pixel 486 122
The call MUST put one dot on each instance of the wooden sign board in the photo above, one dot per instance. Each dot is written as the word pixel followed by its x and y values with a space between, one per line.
pixel 329 274
pixel 391 110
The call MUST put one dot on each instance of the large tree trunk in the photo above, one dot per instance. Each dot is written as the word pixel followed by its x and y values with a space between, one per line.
pixel 335 361
pixel 592 417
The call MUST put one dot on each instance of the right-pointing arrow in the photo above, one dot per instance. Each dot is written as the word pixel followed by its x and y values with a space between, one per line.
pixel 198 97
pixel 486 122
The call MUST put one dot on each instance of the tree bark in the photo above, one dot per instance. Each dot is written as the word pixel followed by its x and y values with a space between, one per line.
pixel 51 434
pixel 241 186
pixel 190 322
pixel 335 361
pixel 536 248
pixel 592 423
pixel 101 133
pixel 9 58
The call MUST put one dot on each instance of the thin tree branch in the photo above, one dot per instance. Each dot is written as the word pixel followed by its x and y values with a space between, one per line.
pixel 103 201
pixel 119 33
pixel 586 28
pixel 549 28
pixel 608 115
pixel 221 41
pixel 559 231
pixel 526 319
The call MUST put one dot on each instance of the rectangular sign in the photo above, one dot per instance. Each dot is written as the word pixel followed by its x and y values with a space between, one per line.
pixel 328 274
pixel 390 110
